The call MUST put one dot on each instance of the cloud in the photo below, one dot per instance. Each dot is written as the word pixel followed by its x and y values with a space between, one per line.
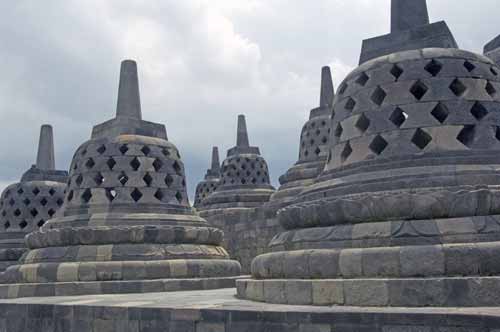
pixel 201 63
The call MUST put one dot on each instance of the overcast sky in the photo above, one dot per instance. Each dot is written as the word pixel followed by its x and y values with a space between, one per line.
pixel 201 63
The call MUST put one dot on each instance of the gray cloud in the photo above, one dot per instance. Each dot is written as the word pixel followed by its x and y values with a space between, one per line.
pixel 201 63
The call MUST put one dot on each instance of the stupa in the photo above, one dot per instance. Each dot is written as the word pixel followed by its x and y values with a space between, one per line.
pixel 126 225
pixel 26 206
pixel 406 212
pixel 313 149
pixel 210 182
pixel 492 49
pixel 244 179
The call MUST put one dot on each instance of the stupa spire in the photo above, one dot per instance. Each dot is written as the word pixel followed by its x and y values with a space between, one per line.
pixel 129 101
pixel 242 134
pixel 215 168
pixel 327 94
pixel 408 14
pixel 45 158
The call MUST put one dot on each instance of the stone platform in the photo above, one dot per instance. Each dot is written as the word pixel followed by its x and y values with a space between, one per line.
pixel 220 311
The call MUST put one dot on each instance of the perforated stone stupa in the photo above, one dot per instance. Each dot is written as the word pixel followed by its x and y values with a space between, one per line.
pixel 211 181
pixel 313 149
pixel 26 206
pixel 126 224
pixel 406 212
pixel 244 178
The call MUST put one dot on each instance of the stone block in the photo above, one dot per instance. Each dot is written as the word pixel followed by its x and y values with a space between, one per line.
pixel 298 291
pixel 366 292
pixel 328 292
pixel 422 261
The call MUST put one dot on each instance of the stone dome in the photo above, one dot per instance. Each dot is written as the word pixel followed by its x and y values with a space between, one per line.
pixel 313 150
pixel 211 181
pixel 126 215
pixel 244 179
pixel 26 206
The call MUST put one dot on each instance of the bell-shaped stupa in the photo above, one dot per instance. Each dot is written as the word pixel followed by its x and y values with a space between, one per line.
pixel 244 179
pixel 26 206
pixel 313 149
pixel 407 210
pixel 126 224
pixel 210 182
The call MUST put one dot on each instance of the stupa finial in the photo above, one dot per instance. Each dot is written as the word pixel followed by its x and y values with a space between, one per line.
pixel 242 135
pixel 45 157
pixel 408 14
pixel 215 168
pixel 129 101
pixel 327 94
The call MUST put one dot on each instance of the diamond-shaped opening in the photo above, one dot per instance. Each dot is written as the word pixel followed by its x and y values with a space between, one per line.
pixel 52 192
pixel 342 88
pixel 148 179
pixel 350 104
pixel 123 149
pixel 318 132
pixel 466 135
pixel 26 202
pixel 418 90
pixel 338 130
pixel 40 223
pixel 440 112
pixel 491 89
pixel 79 180
pixel 457 87
pixel 4 213
pixel 98 179
pixel 324 140
pixel 317 151
pixel 101 149
pixel 111 163
pixel 433 67
pixel 12 202
pixel 396 71
pixel 23 224
pixel 84 152
pixel 177 168
pixel 494 71
pixel 111 194
pixel 243 181
pixel 165 152
pixel 378 144
pixel 378 96
pixel 159 195
pixel 51 212
pixel 421 139
pixel 312 142
pixel 6 225
pixel 34 212
pixel 479 111
pixel 75 166
pixel 17 212
pixel 36 191
pixel 178 195
pixel 362 79
pixel 135 164
pixel 90 163
pixel 157 164
pixel 146 150
pixel 398 117
pixel 43 201
pixel 346 152
pixel 254 180
pixel 169 180
pixel 136 195
pixel 497 133
pixel 123 178
pixel 70 196
pixel 362 123
pixel 469 66
pixel 20 191
pixel 86 196
pixel 59 202
pixel 7 193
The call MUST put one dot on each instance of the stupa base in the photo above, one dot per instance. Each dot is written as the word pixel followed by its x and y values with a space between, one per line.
pixel 381 292
pixel 11 291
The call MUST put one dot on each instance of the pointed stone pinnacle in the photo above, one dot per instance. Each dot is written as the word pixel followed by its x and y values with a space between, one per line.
pixel 242 135
pixel 408 14
pixel 327 92
pixel 129 101
pixel 45 157
pixel 215 161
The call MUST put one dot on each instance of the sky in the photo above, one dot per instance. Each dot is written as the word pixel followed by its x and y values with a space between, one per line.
pixel 201 63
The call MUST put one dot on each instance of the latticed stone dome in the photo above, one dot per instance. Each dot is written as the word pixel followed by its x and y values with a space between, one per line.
pixel 313 150
pixel 244 178
pixel 211 181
